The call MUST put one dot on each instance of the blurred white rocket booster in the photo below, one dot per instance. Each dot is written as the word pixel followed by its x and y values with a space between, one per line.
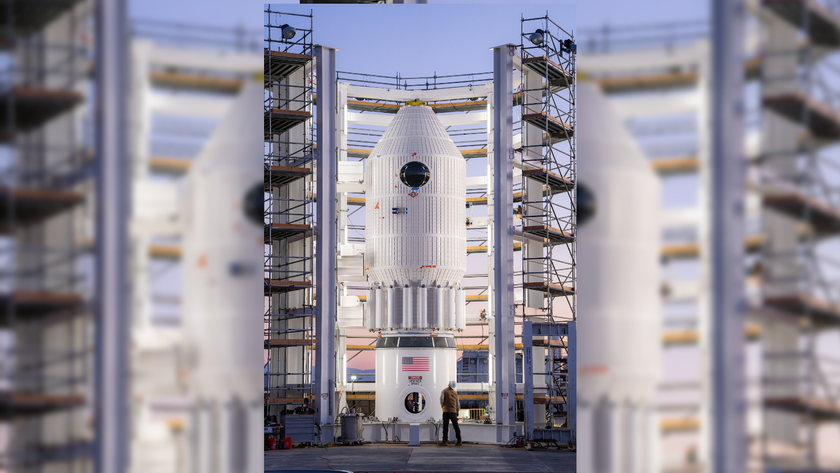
pixel 222 279
pixel 619 305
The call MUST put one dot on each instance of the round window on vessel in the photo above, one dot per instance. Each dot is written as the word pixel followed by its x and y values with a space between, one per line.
pixel 415 174
pixel 415 403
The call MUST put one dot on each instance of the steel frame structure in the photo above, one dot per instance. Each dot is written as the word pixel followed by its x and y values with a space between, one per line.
pixel 790 197
pixel 45 291
pixel 290 214
pixel 801 200
pixel 333 163
pixel 548 211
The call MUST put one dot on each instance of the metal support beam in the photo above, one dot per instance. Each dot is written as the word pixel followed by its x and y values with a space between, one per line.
pixel 503 232
pixel 528 377
pixel 113 189
pixel 327 247
pixel 727 438
pixel 571 385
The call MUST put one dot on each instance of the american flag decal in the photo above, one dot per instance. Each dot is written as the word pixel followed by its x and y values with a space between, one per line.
pixel 415 363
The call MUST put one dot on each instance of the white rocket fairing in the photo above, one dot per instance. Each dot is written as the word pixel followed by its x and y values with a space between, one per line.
pixel 222 275
pixel 618 299
pixel 415 258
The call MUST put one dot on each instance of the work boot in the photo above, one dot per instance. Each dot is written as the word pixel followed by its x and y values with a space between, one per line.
pixel 442 443
pixel 458 444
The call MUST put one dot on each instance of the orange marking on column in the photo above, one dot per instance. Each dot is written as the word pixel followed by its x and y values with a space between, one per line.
pixel 202 261
pixel 377 205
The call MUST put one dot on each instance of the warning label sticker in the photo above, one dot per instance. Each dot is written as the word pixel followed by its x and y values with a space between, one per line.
pixel 415 380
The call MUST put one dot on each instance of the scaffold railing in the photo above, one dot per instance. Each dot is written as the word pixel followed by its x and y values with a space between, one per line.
pixel 289 212
pixel 46 279
pixel 548 204
pixel 799 188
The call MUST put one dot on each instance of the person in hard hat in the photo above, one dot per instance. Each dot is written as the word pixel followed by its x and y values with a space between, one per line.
pixel 451 405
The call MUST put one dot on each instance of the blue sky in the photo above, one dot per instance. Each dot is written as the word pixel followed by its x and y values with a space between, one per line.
pixel 590 13
pixel 423 29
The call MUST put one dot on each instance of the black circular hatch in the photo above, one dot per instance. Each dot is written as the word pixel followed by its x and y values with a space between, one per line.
pixel 415 174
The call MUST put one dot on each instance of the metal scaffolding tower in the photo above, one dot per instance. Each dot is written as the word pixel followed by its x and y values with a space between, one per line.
pixel 45 194
pixel 548 207
pixel 289 169
pixel 801 220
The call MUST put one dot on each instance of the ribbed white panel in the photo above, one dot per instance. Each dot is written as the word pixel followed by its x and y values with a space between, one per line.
pixel 377 305
pixel 422 299
pixel 460 310
pixel 439 303
pixel 451 296
pixel 370 313
pixel 391 308
pixel 426 242
pixel 406 308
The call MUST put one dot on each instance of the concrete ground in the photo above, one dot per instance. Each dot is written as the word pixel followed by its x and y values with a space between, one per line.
pixel 426 458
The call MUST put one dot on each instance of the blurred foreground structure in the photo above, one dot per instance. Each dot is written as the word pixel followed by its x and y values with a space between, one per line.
pixel 659 78
pixel 180 84
pixel 46 234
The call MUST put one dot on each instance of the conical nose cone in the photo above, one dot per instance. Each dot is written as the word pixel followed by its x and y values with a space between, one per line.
pixel 415 129
pixel 603 137
pixel 236 141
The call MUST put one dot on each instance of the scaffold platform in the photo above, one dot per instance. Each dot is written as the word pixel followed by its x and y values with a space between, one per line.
pixel 280 120
pixel 275 176
pixel 552 289
pixel 823 313
pixel 555 181
pixel 30 206
pixel 555 128
pixel 553 72
pixel 278 231
pixel 550 235
pixel 823 25
pixel 288 342
pixel 280 286
pixel 822 216
pixel 279 65
pixel 820 409
pixel 822 121
pixel 32 15
pixel 35 106
pixel 31 403
pixel 34 305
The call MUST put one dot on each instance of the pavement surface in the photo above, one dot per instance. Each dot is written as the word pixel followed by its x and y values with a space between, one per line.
pixel 378 458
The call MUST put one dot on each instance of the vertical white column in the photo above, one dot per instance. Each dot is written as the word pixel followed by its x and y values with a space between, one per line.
pixel 460 310
pixel 327 248
pixel 503 230
pixel 377 320
pixel 439 293
pixel 370 310
pixel 451 295
pixel 405 323
pixel 422 315
pixel 391 295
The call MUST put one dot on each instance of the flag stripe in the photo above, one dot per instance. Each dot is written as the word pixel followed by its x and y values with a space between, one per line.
pixel 415 363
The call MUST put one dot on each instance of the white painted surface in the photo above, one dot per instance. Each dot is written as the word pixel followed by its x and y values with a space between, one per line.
pixel 618 276
pixel 393 384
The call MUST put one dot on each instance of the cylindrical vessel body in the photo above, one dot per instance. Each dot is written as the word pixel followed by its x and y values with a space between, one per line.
pixel 415 214
pixel 416 247
pixel 618 297
pixel 221 276
pixel 410 365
